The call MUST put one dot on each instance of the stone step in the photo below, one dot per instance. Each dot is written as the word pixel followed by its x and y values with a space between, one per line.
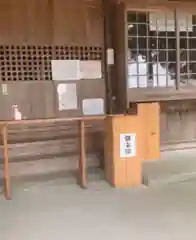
pixel 173 166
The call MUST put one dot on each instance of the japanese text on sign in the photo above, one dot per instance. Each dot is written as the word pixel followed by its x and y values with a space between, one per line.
pixel 127 145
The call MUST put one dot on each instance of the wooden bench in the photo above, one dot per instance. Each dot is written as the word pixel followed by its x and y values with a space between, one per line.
pixel 82 155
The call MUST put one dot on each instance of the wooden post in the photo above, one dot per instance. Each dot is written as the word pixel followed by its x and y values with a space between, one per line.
pixel 123 169
pixel 110 74
pixel 150 113
pixel 7 190
pixel 82 160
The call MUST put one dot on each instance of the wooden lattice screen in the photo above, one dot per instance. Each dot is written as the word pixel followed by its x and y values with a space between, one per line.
pixel 28 63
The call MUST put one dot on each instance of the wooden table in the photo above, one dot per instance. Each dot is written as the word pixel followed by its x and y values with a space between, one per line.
pixel 82 158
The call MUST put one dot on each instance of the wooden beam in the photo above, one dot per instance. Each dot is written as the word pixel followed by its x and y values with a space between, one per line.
pixel 51 120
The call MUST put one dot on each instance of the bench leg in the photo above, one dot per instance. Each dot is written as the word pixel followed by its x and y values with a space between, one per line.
pixel 7 190
pixel 82 158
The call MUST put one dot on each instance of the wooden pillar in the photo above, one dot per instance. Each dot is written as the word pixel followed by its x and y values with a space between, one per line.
pixel 109 9
pixel 7 190
pixel 151 130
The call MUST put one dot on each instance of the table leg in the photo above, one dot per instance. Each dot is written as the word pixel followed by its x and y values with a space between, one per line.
pixel 82 159
pixel 7 190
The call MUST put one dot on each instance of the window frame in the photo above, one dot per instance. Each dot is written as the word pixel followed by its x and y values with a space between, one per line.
pixel 161 93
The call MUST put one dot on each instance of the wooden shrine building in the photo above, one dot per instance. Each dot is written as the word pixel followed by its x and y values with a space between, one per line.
pixel 123 53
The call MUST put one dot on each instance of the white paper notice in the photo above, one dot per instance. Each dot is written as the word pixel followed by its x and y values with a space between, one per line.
pixel 127 145
pixel 4 89
pixel 110 56
pixel 65 70
pixel 67 96
pixel 93 106
pixel 90 69
pixel 165 22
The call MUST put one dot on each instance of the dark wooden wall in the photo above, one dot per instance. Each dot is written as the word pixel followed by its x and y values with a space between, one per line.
pixel 48 148
pixel 76 22
pixel 178 122
pixel 47 23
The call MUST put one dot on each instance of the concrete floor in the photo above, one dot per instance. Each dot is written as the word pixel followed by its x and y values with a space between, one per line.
pixel 61 210
pixel 64 211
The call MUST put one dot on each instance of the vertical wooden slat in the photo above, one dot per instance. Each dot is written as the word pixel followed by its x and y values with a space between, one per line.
pixel 121 46
pixel 94 22
pixel 7 190
pixel 82 158
pixel 18 24
pixel 63 27
pixel 109 70
pixel 5 15
pixel 39 21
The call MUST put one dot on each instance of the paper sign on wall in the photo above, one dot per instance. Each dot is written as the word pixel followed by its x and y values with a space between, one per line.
pixel 90 69
pixel 110 56
pixel 127 145
pixel 165 22
pixel 4 89
pixel 63 70
pixel 67 96
pixel 93 106
pixel 66 70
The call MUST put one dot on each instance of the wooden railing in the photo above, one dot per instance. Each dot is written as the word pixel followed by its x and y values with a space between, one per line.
pixel 82 157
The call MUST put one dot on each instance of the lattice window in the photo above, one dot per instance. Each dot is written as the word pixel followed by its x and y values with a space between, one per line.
pixel 26 63
pixel 162 49
pixel 187 53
